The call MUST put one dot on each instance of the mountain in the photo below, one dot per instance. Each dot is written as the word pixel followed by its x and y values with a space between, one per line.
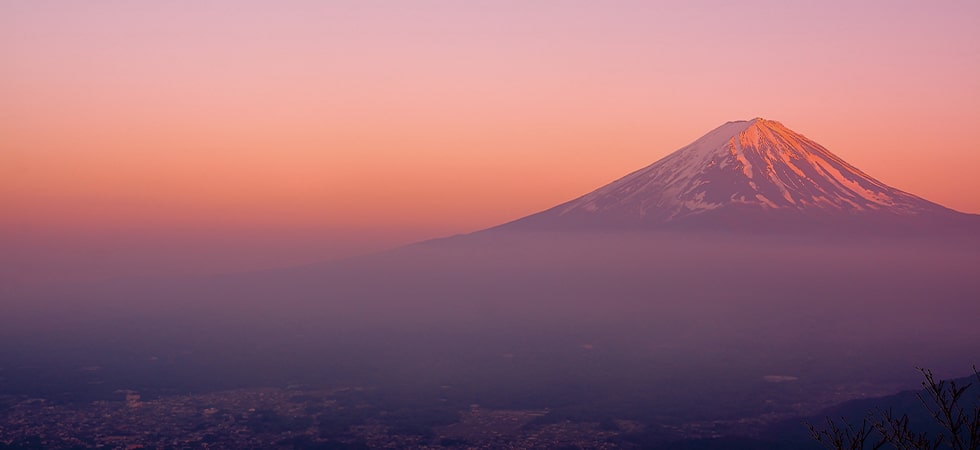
pixel 756 173
pixel 910 403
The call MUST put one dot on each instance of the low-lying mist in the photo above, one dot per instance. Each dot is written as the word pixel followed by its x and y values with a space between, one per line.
pixel 642 324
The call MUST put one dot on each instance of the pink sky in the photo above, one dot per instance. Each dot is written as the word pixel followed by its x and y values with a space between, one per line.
pixel 304 130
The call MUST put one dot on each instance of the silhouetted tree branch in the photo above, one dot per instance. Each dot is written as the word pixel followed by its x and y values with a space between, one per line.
pixel 945 402
pixel 848 437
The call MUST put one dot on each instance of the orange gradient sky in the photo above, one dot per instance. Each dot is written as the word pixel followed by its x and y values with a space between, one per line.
pixel 363 124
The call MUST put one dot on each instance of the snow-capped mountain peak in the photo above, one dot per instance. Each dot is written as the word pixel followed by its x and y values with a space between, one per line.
pixel 739 168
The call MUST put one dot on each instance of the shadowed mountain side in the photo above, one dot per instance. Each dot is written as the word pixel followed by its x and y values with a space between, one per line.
pixel 792 435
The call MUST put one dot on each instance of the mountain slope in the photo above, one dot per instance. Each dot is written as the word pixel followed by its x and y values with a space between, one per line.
pixel 742 173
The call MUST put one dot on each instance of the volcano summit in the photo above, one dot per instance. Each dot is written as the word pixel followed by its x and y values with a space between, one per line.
pixel 745 173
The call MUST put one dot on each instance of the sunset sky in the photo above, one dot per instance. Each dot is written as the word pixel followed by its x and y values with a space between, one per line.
pixel 202 136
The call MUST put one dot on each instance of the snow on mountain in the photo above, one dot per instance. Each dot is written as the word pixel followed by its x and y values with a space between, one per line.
pixel 741 172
